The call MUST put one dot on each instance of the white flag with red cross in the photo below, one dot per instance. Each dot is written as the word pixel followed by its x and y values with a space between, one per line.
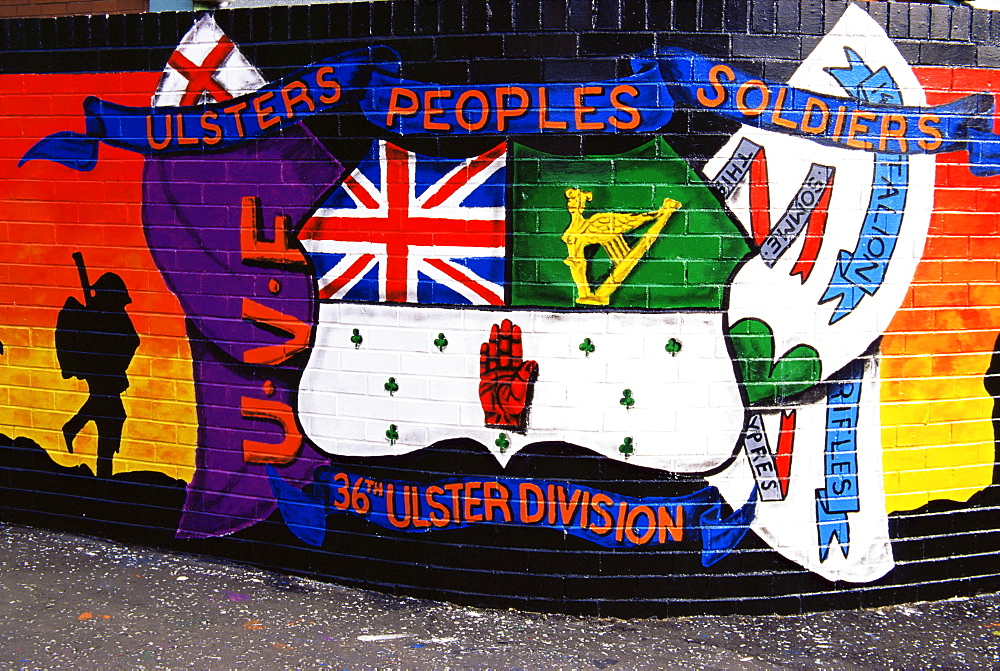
pixel 205 67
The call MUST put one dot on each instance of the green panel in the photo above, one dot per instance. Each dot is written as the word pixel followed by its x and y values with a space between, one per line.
pixel 689 264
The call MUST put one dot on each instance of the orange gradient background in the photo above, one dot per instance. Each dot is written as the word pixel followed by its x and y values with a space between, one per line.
pixel 48 212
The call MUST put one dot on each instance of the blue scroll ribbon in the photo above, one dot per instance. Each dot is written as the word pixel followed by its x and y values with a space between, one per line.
pixel 636 103
pixel 840 494
pixel 860 273
pixel 370 77
pixel 640 103
pixel 327 84
pixel 449 504
pixel 880 122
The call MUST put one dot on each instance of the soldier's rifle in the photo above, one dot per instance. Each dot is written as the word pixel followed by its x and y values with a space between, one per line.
pixel 81 269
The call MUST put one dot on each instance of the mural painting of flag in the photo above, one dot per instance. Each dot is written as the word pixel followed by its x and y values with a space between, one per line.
pixel 407 228
pixel 688 265
pixel 205 67
pixel 283 178
pixel 393 369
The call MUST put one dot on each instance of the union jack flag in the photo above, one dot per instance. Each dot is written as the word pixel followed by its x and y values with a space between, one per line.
pixel 410 228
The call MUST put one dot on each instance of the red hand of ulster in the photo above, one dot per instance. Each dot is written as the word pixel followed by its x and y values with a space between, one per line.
pixel 505 379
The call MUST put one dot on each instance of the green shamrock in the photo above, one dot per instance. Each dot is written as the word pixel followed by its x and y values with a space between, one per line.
pixel 766 376
pixel 587 347
pixel 392 434
pixel 357 339
pixel 502 443
pixel 440 342
pixel 626 447
pixel 673 346
pixel 627 399
pixel 391 386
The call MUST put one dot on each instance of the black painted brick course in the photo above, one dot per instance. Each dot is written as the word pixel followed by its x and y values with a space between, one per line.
pixel 527 15
pixel 811 17
pixel 579 16
pixel 737 16
pixel 614 44
pixel 961 22
pixel 762 17
pixel 404 20
pixel 570 70
pixel 718 44
pixel 711 15
pixel 987 56
pixel 787 16
pixel 899 20
pixel 501 15
pixel 554 15
pixel 685 15
pixel 607 15
pixel 451 16
pixel 920 20
pixel 945 52
pixel 980 30
pixel 659 14
pixel 940 23
pixel 457 47
pixel 634 15
pixel 499 72
pixel 766 47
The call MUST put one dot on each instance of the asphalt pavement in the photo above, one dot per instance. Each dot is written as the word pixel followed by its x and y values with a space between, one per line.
pixel 85 603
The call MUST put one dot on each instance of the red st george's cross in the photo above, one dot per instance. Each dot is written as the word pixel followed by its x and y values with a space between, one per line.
pixel 201 78
pixel 386 209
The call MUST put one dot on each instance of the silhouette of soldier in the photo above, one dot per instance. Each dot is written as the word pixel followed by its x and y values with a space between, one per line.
pixel 95 341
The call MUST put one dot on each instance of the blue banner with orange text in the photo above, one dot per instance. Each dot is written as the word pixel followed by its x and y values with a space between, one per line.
pixel 602 517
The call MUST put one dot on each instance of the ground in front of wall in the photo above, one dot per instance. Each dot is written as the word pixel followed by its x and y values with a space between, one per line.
pixel 78 602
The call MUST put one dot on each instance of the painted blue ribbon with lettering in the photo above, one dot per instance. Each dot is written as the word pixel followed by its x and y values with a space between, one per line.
pixel 642 102
pixel 840 494
pixel 602 517
pixel 878 122
pixel 637 103
pixel 370 76
pixel 860 273
pixel 316 88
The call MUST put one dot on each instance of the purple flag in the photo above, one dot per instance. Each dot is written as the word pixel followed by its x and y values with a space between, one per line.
pixel 249 313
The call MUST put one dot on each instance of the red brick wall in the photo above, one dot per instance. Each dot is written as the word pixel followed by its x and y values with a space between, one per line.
pixel 14 8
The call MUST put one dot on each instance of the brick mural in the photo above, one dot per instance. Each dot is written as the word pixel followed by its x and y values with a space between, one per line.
pixel 628 308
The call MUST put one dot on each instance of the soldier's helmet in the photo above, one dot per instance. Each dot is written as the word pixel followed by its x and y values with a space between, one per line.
pixel 110 289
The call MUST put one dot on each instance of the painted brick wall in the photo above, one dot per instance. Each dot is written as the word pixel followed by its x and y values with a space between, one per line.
pixel 617 307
